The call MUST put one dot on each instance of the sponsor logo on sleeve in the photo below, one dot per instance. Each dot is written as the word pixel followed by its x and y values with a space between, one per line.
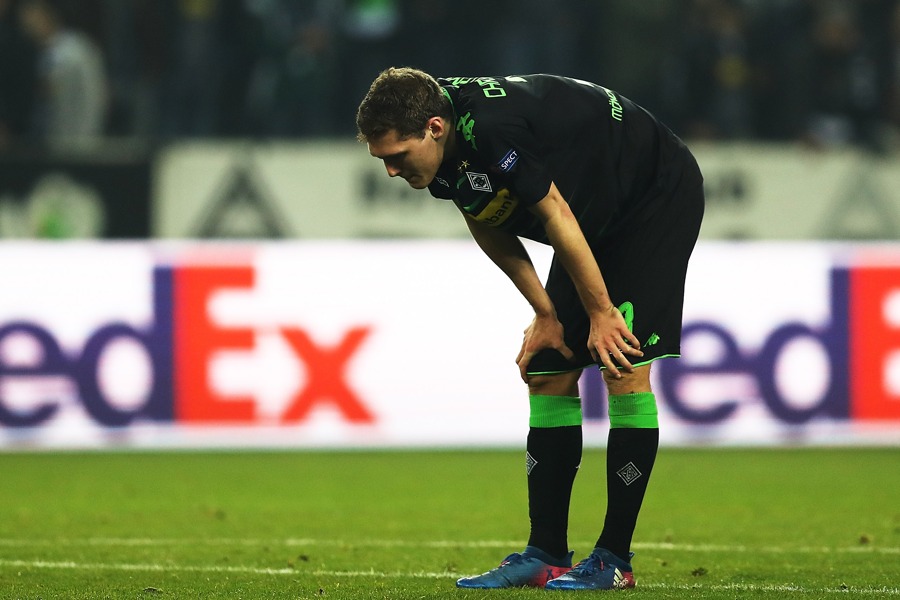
pixel 508 161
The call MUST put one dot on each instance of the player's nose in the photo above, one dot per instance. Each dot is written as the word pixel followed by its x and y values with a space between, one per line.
pixel 392 171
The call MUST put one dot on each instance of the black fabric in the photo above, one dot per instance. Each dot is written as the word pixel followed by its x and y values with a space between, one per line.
pixel 633 186
pixel 554 455
pixel 645 264
pixel 609 158
pixel 630 456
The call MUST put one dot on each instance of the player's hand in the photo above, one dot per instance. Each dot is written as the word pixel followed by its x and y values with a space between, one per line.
pixel 544 332
pixel 610 339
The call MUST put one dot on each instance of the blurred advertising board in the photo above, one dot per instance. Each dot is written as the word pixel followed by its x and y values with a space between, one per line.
pixel 412 344
pixel 80 196
pixel 312 190
pixel 334 189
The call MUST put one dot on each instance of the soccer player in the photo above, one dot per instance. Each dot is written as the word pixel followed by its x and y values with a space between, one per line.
pixel 620 199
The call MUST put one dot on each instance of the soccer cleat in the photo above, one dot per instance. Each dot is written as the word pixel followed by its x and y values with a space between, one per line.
pixel 602 570
pixel 518 570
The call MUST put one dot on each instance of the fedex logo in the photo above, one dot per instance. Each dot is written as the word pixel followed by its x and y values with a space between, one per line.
pixel 180 343
pixel 861 344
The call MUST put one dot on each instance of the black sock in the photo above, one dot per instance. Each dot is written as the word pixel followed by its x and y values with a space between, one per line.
pixel 630 456
pixel 554 454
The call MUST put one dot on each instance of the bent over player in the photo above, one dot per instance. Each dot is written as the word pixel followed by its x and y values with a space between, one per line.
pixel 620 199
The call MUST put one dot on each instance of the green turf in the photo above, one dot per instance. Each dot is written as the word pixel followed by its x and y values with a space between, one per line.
pixel 800 523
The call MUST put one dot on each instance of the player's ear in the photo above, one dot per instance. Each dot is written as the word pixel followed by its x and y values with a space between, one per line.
pixel 435 128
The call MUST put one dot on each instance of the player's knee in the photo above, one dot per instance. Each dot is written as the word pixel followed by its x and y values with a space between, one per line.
pixel 554 400
pixel 629 383
pixel 556 384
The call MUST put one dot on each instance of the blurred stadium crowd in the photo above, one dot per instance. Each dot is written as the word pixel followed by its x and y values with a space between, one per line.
pixel 826 72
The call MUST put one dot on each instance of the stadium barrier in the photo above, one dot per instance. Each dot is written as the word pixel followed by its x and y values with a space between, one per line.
pixel 411 344
pixel 334 189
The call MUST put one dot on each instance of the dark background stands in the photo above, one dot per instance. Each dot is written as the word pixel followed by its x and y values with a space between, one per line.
pixel 823 72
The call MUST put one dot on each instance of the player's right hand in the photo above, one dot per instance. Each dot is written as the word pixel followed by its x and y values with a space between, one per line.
pixel 544 332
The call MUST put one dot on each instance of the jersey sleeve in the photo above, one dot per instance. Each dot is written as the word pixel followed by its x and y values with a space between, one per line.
pixel 512 150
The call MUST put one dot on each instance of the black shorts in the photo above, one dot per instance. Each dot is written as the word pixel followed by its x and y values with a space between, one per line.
pixel 645 264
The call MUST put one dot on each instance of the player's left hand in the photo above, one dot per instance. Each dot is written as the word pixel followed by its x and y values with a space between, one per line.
pixel 611 342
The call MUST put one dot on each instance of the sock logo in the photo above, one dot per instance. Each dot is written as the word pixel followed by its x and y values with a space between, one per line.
pixel 529 462
pixel 629 473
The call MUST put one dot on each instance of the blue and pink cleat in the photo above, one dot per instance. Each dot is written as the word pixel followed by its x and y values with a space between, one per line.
pixel 528 569
pixel 602 570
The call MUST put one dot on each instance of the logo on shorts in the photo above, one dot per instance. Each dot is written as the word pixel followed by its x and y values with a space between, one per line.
pixel 627 310
pixel 479 182
pixel 629 473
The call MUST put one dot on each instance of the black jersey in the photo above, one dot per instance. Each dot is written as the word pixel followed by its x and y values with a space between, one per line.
pixel 611 160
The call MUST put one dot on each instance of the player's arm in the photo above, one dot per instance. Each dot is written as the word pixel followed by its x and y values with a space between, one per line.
pixel 609 333
pixel 508 253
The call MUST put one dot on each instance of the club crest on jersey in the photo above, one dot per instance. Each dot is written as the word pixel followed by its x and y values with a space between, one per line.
pixel 479 182
pixel 508 161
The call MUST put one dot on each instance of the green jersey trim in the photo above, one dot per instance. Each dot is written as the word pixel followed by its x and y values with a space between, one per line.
pixel 638 364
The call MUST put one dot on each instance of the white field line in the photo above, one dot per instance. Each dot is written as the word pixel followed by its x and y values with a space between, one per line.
pixel 163 568
pixel 376 543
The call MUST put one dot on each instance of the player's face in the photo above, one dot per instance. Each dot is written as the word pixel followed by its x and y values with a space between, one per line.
pixel 415 159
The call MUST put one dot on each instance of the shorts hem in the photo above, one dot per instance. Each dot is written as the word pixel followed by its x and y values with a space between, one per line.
pixel 647 362
pixel 601 366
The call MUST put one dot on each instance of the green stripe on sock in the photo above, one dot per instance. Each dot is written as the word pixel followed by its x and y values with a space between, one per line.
pixel 633 411
pixel 554 411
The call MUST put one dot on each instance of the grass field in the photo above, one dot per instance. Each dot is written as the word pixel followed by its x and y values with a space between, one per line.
pixel 803 523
